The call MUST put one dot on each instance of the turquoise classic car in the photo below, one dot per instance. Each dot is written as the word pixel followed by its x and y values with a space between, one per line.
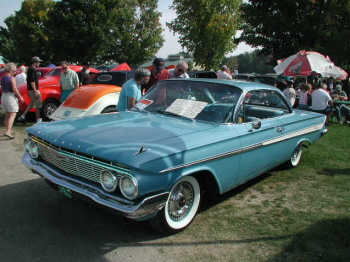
pixel 183 139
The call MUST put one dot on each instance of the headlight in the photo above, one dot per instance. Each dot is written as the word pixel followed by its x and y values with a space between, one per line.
pixel 108 180
pixel 33 149
pixel 129 187
pixel 26 145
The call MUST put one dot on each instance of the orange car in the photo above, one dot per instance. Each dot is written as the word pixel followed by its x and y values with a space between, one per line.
pixel 101 96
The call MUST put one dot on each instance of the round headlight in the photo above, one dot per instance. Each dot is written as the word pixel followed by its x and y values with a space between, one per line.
pixel 108 180
pixel 26 145
pixel 129 187
pixel 33 149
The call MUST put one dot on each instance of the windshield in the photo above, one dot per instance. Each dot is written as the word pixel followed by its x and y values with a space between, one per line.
pixel 212 102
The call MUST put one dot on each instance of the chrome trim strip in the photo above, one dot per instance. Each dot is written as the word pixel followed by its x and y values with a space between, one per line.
pixel 307 130
pixel 146 207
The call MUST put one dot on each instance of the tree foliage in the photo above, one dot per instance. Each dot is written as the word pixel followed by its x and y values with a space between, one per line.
pixel 207 28
pixel 25 35
pixel 253 62
pixel 78 30
pixel 282 28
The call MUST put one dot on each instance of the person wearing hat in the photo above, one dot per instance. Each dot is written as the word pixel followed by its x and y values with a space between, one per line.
pixel 224 73
pixel 33 90
pixel 158 72
pixel 131 89
pixel 289 91
pixel 338 94
pixel 84 74
pixel 21 77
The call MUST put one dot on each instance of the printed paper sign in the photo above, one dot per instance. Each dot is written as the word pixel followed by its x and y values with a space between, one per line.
pixel 187 108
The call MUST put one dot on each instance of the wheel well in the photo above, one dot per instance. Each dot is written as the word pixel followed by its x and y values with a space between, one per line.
pixel 207 182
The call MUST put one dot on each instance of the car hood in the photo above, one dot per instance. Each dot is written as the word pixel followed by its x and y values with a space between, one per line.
pixel 130 138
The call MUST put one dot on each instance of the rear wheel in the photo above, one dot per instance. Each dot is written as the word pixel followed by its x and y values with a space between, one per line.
pixel 296 156
pixel 181 207
pixel 109 109
pixel 49 106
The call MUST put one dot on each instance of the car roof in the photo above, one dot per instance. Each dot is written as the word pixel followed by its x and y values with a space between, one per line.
pixel 244 85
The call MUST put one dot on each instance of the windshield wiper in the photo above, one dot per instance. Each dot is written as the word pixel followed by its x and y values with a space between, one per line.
pixel 164 112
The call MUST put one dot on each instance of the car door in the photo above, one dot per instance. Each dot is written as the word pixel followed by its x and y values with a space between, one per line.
pixel 261 132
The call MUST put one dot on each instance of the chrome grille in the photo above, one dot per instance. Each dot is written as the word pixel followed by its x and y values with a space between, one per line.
pixel 74 164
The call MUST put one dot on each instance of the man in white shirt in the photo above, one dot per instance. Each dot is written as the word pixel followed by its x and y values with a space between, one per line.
pixel 224 73
pixel 21 78
pixel 289 92
pixel 179 71
pixel 321 102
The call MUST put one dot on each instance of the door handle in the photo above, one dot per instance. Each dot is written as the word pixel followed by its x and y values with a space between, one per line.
pixel 279 129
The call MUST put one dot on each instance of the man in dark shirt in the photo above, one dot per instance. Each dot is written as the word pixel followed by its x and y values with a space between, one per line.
pixel 158 72
pixel 33 90
pixel 84 75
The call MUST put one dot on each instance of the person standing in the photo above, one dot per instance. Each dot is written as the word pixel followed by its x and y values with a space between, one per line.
pixel 304 97
pixel 131 90
pixel 289 92
pixel 68 82
pixel 33 90
pixel 21 78
pixel 158 72
pixel 224 73
pixel 179 71
pixel 9 97
pixel 84 74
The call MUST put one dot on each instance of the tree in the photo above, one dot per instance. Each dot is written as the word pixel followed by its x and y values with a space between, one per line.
pixel 25 35
pixel 207 28
pixel 252 62
pixel 282 28
pixel 136 35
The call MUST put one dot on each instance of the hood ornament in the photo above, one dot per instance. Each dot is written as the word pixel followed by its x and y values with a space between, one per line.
pixel 141 150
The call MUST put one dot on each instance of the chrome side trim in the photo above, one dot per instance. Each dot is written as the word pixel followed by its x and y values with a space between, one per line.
pixel 291 135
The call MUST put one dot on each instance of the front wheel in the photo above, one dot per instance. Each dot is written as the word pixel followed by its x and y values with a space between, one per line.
pixel 181 207
pixel 49 106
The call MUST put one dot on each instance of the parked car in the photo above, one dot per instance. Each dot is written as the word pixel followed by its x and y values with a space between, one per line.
pixel 264 79
pixel 101 96
pixel 49 85
pixel 246 77
pixel 202 74
pixel 184 138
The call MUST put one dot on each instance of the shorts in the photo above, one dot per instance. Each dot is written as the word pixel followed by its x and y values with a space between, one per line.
pixel 9 102
pixel 34 101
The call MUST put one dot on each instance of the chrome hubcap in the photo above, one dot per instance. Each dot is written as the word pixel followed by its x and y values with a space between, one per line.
pixel 49 109
pixel 180 201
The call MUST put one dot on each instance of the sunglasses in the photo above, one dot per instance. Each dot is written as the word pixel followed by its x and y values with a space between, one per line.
pixel 180 70
pixel 64 68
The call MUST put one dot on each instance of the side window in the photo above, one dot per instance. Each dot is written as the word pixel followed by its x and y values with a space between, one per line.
pixel 56 72
pixel 260 105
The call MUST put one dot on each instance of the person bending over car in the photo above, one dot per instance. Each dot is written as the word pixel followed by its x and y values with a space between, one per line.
pixel 131 90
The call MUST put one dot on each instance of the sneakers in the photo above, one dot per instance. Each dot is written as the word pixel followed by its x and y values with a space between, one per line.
pixel 22 120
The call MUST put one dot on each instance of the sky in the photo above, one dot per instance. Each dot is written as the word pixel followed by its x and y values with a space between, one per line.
pixel 170 46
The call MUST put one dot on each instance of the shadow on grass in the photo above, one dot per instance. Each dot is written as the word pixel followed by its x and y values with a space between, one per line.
pixel 327 240
pixel 335 171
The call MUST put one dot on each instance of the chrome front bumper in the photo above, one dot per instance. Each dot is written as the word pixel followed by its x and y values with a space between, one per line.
pixel 140 211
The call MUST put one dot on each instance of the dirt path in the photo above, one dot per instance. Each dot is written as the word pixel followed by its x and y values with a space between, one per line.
pixel 39 224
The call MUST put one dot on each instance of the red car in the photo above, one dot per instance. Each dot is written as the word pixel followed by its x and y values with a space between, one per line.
pixel 49 85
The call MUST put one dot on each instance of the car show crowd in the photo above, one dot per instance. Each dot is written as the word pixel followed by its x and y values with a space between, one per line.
pixel 325 97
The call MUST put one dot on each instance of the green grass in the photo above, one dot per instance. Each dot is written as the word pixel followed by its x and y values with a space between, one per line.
pixel 300 214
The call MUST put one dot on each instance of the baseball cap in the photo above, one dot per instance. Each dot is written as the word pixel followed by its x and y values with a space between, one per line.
pixel 337 87
pixel 159 63
pixel 36 59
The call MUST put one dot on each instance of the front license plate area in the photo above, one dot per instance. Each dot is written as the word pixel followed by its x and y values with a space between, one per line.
pixel 65 191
